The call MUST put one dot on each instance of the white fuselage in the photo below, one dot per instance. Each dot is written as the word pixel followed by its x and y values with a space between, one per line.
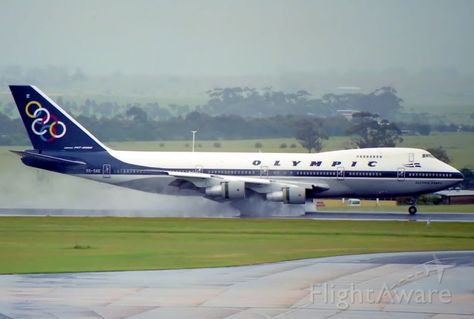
pixel 373 172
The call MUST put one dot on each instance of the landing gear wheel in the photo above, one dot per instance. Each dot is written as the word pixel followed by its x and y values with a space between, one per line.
pixel 412 210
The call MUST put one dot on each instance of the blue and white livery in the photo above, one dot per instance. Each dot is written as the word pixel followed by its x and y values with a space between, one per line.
pixel 61 144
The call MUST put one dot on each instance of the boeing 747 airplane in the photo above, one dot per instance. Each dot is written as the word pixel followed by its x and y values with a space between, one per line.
pixel 61 144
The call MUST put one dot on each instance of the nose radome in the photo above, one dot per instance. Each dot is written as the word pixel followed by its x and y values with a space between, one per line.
pixel 457 173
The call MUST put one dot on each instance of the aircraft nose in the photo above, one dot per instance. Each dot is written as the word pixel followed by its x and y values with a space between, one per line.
pixel 457 174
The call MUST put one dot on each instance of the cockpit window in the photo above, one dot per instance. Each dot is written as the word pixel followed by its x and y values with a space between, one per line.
pixel 428 155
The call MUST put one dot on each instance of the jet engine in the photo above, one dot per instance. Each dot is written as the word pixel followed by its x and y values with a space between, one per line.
pixel 288 195
pixel 227 190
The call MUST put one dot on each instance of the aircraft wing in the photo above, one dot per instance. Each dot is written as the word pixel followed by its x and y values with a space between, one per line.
pixel 259 185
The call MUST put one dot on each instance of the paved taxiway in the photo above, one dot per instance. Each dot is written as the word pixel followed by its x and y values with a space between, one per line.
pixel 423 217
pixel 392 285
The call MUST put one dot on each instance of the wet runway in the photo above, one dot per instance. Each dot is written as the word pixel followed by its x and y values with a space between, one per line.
pixel 78 212
pixel 392 285
pixel 423 217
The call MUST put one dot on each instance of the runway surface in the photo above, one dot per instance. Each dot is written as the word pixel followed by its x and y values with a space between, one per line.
pixel 392 285
pixel 423 217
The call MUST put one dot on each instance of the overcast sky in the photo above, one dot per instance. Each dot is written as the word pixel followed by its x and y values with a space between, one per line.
pixel 237 37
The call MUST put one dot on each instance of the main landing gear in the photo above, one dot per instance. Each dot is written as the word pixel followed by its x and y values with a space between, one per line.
pixel 412 209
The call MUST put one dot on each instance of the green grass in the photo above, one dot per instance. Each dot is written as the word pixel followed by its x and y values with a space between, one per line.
pixel 446 208
pixel 48 244
pixel 269 145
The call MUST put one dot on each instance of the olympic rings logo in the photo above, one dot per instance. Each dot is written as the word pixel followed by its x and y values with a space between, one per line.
pixel 45 125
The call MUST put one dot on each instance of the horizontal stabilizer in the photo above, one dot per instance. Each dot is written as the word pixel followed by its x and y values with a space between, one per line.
pixel 47 158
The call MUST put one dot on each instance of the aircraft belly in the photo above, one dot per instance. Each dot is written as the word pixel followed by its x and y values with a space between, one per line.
pixel 159 184
pixel 382 187
pixel 348 187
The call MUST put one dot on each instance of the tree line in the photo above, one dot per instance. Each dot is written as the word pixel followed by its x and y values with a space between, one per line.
pixel 136 126
pixel 135 123
pixel 309 130
pixel 243 113
pixel 249 102
pixel 252 102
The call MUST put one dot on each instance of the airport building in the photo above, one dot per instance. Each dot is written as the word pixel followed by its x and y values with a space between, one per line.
pixel 457 196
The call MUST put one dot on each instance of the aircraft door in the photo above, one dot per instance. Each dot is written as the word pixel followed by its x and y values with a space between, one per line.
pixel 263 171
pixel 401 174
pixel 340 173
pixel 106 170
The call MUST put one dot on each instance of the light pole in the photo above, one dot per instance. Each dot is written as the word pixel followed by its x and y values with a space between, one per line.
pixel 194 138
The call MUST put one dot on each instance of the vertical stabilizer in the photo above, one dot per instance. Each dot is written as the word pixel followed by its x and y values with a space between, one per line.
pixel 49 127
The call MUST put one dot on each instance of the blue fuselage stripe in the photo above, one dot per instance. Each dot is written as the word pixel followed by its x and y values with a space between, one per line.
pixel 293 173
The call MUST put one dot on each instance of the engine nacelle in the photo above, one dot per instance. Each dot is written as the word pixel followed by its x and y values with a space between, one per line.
pixel 227 190
pixel 288 195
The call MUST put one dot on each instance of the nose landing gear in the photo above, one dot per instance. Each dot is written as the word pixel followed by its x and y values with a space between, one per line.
pixel 412 209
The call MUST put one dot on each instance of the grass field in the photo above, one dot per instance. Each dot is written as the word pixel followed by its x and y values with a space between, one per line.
pixel 340 205
pixel 48 244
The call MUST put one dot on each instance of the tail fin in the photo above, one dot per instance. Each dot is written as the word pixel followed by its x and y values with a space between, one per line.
pixel 49 127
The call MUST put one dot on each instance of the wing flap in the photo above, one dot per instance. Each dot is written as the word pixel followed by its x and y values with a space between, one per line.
pixel 259 185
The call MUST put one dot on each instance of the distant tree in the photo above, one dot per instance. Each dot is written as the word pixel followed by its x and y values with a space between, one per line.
pixel 423 129
pixel 383 101
pixel 283 145
pixel 179 109
pixel 371 131
pixel 293 145
pixel 440 153
pixel 250 102
pixel 11 131
pixel 137 114
pixel 217 145
pixel 310 134
pixel 258 145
